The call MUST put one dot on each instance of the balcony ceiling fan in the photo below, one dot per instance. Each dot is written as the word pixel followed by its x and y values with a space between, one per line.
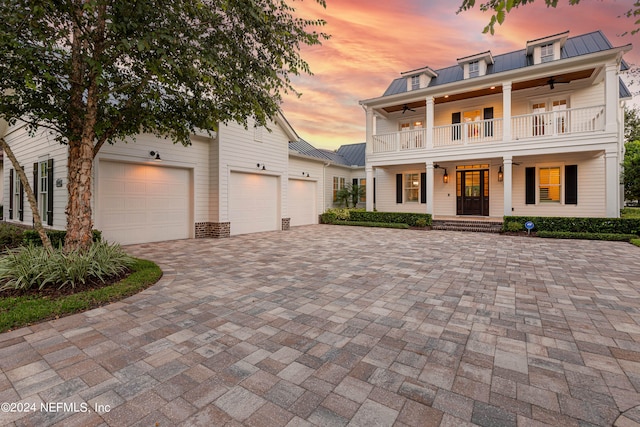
pixel 406 108
pixel 552 82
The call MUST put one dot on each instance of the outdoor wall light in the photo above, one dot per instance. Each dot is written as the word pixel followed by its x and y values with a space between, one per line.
pixel 445 177
pixel 261 166
pixel 305 174
pixel 500 174
pixel 155 155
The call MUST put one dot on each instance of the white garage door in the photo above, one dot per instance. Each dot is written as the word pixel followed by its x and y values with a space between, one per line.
pixel 253 203
pixel 143 203
pixel 302 202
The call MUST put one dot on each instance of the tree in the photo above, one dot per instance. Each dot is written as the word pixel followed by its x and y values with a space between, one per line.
pixel 500 8
pixel 98 71
pixel 631 171
pixel 631 124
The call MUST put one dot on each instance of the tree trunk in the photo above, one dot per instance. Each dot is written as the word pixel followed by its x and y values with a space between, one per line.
pixel 31 198
pixel 79 217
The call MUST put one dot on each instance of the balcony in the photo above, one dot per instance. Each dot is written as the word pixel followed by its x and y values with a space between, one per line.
pixel 540 125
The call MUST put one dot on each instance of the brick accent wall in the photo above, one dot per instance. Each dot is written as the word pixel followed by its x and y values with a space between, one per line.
pixel 286 223
pixel 214 230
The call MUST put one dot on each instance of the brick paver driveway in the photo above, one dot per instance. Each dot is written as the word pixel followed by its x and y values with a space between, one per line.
pixel 333 326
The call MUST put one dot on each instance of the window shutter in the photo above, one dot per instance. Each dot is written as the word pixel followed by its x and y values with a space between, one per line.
pixel 50 192
pixel 354 181
pixel 488 126
pixel 398 188
pixel 10 193
pixel 21 207
pixel 571 185
pixel 423 187
pixel 374 191
pixel 530 186
pixel 456 131
pixel 35 180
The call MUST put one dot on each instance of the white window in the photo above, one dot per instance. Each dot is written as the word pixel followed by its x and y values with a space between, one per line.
pixel 411 187
pixel 17 190
pixel 338 184
pixel 43 189
pixel 549 184
pixel 474 69
pixel 546 53
pixel 363 185
pixel 560 114
pixel 415 82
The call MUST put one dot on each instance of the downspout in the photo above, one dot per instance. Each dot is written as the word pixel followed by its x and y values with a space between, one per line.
pixel 324 180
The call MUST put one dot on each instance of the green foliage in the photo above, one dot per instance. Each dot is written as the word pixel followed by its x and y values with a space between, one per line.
pixel 390 217
pixel 630 213
pixel 343 196
pixel 373 224
pixel 501 7
pixel 635 242
pixel 581 225
pixel 31 266
pixel 10 236
pixel 513 226
pixel 631 124
pixel 336 214
pixel 31 237
pixel 587 236
pixel 23 310
pixel 421 222
pixel 631 170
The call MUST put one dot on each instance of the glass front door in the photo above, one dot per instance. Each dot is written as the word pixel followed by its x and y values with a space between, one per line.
pixel 472 192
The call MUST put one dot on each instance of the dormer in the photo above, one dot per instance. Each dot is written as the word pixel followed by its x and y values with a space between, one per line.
pixel 546 49
pixel 476 65
pixel 418 79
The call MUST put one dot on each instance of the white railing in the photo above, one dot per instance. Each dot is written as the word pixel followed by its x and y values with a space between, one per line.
pixel 400 141
pixel 536 125
pixel 561 122
pixel 465 133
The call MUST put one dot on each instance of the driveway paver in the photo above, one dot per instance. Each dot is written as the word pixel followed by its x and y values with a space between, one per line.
pixel 346 326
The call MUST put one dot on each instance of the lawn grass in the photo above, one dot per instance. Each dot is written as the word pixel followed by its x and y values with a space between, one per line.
pixel 21 311
pixel 630 213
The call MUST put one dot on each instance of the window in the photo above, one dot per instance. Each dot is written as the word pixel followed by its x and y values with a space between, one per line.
pixel 560 108
pixel 338 184
pixel 43 191
pixel 363 185
pixel 546 53
pixel 415 82
pixel 474 69
pixel 539 110
pixel 549 184
pixel 411 187
pixel 17 195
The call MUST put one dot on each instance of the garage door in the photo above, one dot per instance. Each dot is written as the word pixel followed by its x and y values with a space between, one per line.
pixel 143 203
pixel 253 203
pixel 302 202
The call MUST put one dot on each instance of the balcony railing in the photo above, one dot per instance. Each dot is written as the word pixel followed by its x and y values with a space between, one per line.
pixel 536 125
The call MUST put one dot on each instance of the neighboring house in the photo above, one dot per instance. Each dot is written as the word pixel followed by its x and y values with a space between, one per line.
pixel 238 181
pixel 534 132
pixel 341 167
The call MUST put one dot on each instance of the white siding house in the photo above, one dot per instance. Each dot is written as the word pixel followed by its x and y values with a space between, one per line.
pixel 535 132
pixel 234 182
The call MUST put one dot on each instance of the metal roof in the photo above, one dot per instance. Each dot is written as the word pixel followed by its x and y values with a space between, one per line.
pixel 353 153
pixel 574 46
pixel 346 155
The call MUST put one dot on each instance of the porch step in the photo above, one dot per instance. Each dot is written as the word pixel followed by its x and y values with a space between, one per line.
pixel 467 225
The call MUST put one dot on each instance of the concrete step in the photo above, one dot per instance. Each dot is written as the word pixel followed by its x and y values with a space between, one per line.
pixel 467 225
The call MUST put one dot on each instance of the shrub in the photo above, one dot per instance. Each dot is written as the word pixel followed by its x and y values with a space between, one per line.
pixel 630 213
pixel 372 224
pixel 31 237
pixel 581 225
pixel 34 267
pixel 10 236
pixel 337 214
pixel 421 222
pixel 513 226
pixel 587 236
pixel 635 242
pixel 390 217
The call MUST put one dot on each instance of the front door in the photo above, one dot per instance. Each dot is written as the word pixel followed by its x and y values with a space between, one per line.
pixel 472 192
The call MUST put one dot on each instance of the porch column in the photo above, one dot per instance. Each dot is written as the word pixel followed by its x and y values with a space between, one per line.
pixel 369 130
pixel 430 186
pixel 429 122
pixel 369 188
pixel 506 111
pixel 612 184
pixel 611 90
pixel 507 181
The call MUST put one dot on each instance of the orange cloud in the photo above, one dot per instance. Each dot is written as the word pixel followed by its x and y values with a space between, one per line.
pixel 372 42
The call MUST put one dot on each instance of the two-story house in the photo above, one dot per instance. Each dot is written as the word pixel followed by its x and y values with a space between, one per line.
pixel 538 132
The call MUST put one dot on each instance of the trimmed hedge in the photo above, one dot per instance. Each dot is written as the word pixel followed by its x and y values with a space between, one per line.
pixel 635 242
pixel 587 236
pixel 56 236
pixel 390 217
pixel 579 225
pixel 373 224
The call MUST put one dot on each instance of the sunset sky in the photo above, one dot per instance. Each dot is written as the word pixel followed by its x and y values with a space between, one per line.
pixel 373 41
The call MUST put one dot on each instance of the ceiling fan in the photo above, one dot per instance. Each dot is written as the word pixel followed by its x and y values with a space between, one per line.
pixel 406 108
pixel 552 82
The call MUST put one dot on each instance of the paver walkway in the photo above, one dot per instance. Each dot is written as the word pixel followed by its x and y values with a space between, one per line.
pixel 334 326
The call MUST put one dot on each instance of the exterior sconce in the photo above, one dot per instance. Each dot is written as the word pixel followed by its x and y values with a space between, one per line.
pixel 445 177
pixel 261 166
pixel 305 174
pixel 155 155
pixel 500 174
